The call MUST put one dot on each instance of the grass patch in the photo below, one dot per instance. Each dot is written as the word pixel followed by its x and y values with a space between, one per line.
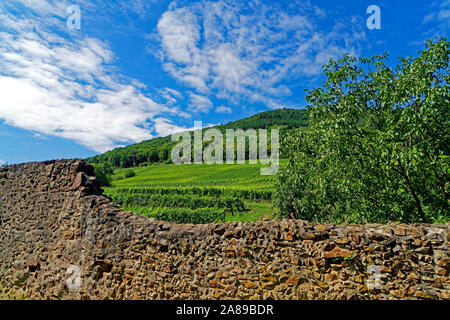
pixel 257 210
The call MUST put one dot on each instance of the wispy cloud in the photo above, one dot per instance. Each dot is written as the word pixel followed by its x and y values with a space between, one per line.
pixel 165 127
pixel 199 103
pixel 58 83
pixel 438 19
pixel 247 50
pixel 223 109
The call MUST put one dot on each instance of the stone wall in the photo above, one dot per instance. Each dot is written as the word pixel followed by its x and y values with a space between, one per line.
pixel 56 225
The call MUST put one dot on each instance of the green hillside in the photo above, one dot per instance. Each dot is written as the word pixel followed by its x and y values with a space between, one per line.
pixel 158 150
pixel 196 193
pixel 236 176
pixel 282 118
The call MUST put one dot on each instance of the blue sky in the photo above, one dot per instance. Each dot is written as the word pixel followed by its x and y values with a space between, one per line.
pixel 140 69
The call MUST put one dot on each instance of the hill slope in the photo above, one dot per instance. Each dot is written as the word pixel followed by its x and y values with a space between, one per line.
pixel 284 118
pixel 158 149
pixel 164 188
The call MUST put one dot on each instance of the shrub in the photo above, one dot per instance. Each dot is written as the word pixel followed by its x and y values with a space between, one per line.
pixel 144 164
pixel 129 173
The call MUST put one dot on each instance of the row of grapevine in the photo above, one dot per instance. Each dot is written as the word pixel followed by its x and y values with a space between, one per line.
pixel 195 191
pixel 181 215
pixel 177 201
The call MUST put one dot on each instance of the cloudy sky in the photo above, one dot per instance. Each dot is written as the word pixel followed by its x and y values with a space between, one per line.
pixel 145 68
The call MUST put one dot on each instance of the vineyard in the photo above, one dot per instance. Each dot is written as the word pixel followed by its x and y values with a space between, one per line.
pixel 196 193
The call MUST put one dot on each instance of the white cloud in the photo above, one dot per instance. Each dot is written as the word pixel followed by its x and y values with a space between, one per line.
pixel 223 109
pixel 65 87
pixel 139 7
pixel 199 103
pixel 247 50
pixel 164 127
pixel 2 162
pixel 174 92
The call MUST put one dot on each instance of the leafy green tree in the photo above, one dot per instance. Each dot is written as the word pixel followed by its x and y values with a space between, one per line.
pixel 103 173
pixel 163 154
pixel 153 156
pixel 377 148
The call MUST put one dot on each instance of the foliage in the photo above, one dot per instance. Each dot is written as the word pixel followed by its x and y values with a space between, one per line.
pixel 377 148
pixel 103 172
pixel 129 173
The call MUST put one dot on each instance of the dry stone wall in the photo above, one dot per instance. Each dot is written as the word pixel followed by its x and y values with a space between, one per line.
pixel 61 239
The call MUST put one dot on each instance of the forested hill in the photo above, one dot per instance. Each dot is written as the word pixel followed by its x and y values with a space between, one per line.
pixel 283 118
pixel 158 149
